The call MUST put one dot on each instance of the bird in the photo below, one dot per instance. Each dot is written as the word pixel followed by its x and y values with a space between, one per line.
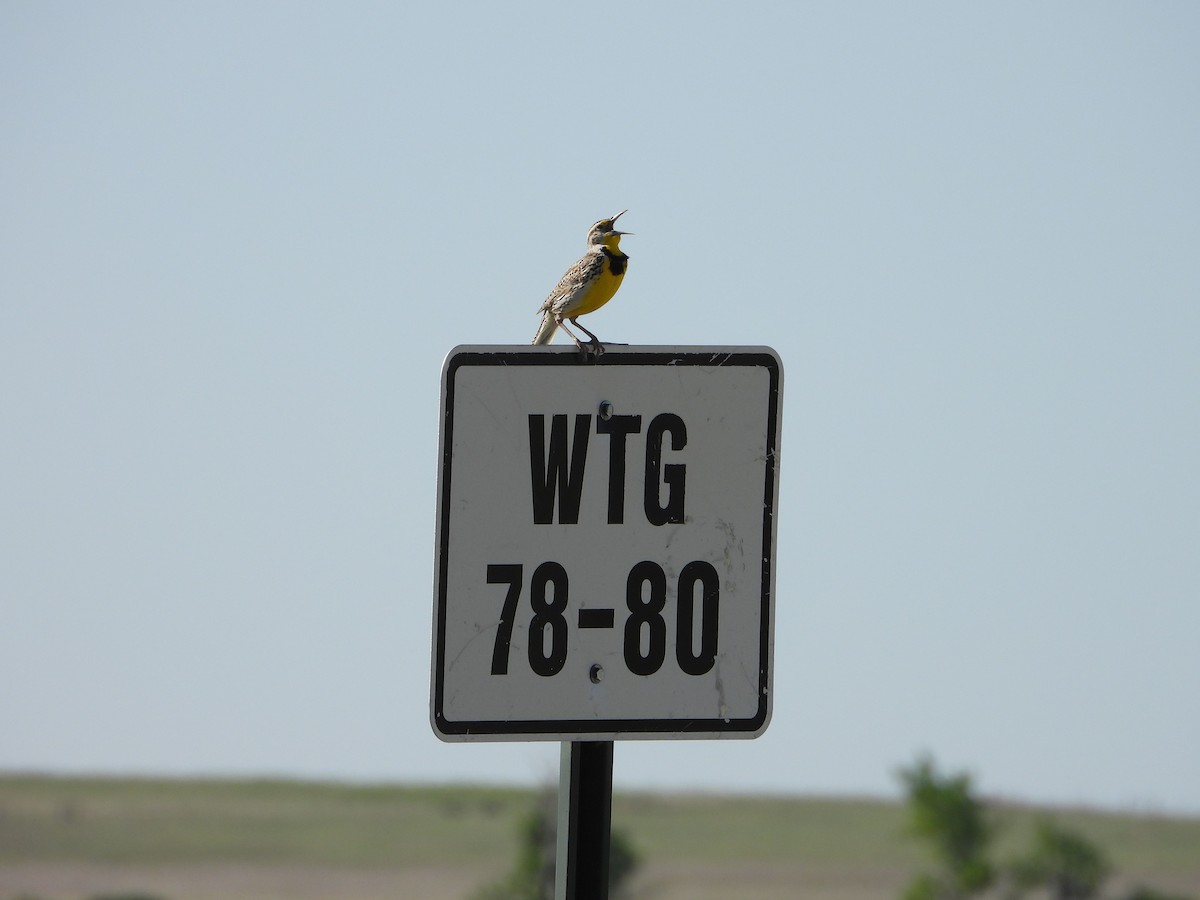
pixel 586 286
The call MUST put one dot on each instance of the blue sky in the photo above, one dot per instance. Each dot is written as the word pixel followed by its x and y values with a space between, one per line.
pixel 237 240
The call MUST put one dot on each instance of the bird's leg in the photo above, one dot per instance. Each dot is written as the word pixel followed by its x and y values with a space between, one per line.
pixel 594 343
pixel 571 335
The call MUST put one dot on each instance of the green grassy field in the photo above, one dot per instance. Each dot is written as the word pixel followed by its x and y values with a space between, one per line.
pixel 71 839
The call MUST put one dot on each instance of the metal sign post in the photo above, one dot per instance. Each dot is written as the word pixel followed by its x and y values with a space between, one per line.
pixel 604 565
pixel 584 820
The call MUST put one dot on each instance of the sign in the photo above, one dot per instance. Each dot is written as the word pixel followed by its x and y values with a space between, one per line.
pixel 605 543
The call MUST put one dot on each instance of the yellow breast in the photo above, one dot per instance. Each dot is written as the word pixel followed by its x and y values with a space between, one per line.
pixel 600 291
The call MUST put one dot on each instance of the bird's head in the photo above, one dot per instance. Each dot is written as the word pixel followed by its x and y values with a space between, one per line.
pixel 605 232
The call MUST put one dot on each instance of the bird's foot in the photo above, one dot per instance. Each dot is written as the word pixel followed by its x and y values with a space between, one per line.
pixel 591 351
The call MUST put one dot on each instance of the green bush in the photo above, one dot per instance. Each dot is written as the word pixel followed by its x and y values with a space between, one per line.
pixel 532 876
pixel 944 810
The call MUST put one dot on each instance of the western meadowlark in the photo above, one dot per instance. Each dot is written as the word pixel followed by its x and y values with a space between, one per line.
pixel 587 286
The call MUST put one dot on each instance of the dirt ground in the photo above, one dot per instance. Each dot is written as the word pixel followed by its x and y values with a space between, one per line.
pixel 77 881
pixel 225 881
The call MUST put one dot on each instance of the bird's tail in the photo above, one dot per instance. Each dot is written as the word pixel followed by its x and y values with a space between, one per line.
pixel 545 332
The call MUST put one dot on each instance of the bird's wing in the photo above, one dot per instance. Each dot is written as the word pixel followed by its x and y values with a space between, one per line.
pixel 572 285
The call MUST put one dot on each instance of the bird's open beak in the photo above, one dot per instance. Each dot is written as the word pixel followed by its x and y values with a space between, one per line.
pixel 614 221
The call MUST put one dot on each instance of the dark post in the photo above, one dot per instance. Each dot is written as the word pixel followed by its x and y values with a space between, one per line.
pixel 584 820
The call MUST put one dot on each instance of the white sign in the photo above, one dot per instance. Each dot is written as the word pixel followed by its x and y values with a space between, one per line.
pixel 605 543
